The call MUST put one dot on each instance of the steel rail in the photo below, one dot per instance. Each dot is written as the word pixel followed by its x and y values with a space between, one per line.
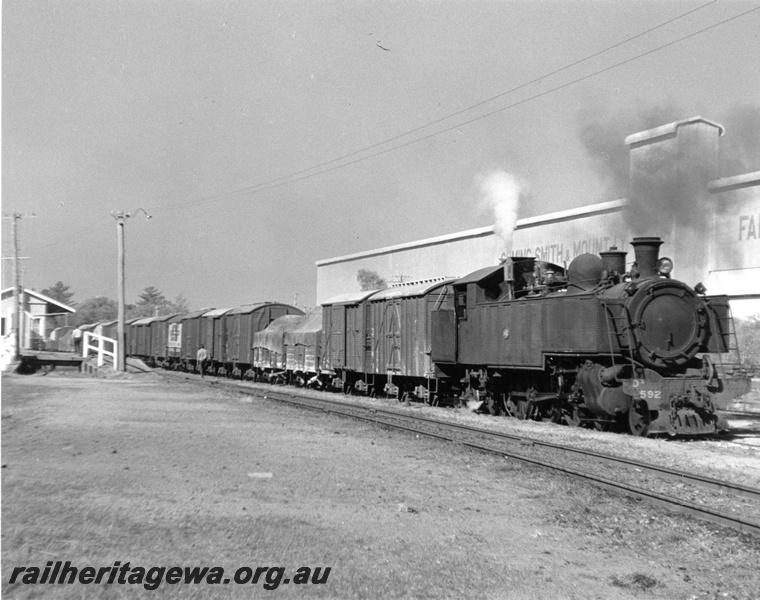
pixel 700 480
pixel 697 480
pixel 675 504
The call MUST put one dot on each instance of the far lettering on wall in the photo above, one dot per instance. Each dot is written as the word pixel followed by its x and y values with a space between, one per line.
pixel 748 226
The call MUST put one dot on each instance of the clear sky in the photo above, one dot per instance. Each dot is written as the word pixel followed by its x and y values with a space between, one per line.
pixel 209 115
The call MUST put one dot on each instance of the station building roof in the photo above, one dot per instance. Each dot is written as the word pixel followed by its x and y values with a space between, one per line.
pixel 54 307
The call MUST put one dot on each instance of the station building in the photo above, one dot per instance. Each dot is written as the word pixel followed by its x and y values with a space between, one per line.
pixel 710 225
pixel 37 313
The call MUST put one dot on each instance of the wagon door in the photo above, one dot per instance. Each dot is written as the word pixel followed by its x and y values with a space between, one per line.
pixel 338 336
pixel 389 337
pixel 206 335
pixel 326 351
pixel 220 338
pixel 355 339
pixel 368 356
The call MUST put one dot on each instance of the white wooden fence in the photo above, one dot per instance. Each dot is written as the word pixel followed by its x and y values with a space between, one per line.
pixel 99 343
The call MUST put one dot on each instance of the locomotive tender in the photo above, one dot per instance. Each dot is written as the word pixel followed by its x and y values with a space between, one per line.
pixel 592 345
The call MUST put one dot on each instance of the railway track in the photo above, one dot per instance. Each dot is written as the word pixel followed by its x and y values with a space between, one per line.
pixel 716 501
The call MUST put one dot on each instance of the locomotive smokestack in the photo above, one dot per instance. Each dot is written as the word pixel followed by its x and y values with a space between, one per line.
pixel 647 251
pixel 613 261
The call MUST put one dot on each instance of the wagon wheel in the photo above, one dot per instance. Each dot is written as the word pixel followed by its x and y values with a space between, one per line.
pixel 638 418
pixel 523 409
pixel 492 404
pixel 557 415
pixel 510 407
pixel 518 408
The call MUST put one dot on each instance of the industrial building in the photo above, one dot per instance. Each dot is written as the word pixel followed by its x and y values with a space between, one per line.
pixel 710 225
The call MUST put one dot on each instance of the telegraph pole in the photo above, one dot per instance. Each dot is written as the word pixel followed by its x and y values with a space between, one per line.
pixel 17 322
pixel 121 355
pixel 121 339
pixel 16 299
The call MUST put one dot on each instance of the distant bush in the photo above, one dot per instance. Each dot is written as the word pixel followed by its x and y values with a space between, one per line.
pixel 748 334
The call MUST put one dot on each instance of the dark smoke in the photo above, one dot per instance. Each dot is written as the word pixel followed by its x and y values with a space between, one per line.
pixel 603 133
pixel 740 147
pixel 670 196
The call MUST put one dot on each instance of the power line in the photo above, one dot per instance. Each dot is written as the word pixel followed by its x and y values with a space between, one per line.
pixel 71 234
pixel 481 103
pixel 294 177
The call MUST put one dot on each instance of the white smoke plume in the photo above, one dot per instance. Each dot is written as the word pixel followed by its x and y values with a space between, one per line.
pixel 500 192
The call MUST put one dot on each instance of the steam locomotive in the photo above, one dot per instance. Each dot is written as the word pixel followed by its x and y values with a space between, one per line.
pixel 591 345
pixel 599 346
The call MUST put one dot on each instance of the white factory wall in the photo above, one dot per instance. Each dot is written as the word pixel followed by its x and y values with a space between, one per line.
pixel 445 256
pixel 735 247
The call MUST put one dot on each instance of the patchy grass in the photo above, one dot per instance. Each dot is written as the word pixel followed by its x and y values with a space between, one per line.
pixel 163 475
pixel 636 581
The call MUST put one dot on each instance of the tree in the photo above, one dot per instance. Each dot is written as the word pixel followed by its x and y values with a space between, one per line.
pixel 370 280
pixel 178 307
pixel 748 336
pixel 60 292
pixel 99 308
pixel 151 297
pixel 149 304
pixel 152 303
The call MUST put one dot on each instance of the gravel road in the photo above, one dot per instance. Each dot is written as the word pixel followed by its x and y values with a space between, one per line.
pixel 157 472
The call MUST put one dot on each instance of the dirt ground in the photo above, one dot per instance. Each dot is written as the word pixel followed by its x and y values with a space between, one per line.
pixel 162 473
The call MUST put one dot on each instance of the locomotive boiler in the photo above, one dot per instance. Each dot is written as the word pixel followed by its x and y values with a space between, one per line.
pixel 593 346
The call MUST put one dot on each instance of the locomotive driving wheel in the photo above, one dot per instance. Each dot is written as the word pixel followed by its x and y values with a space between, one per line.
pixel 578 416
pixel 638 418
pixel 573 417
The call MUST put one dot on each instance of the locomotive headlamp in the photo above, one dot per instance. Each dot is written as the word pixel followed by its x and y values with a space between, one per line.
pixel 664 266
